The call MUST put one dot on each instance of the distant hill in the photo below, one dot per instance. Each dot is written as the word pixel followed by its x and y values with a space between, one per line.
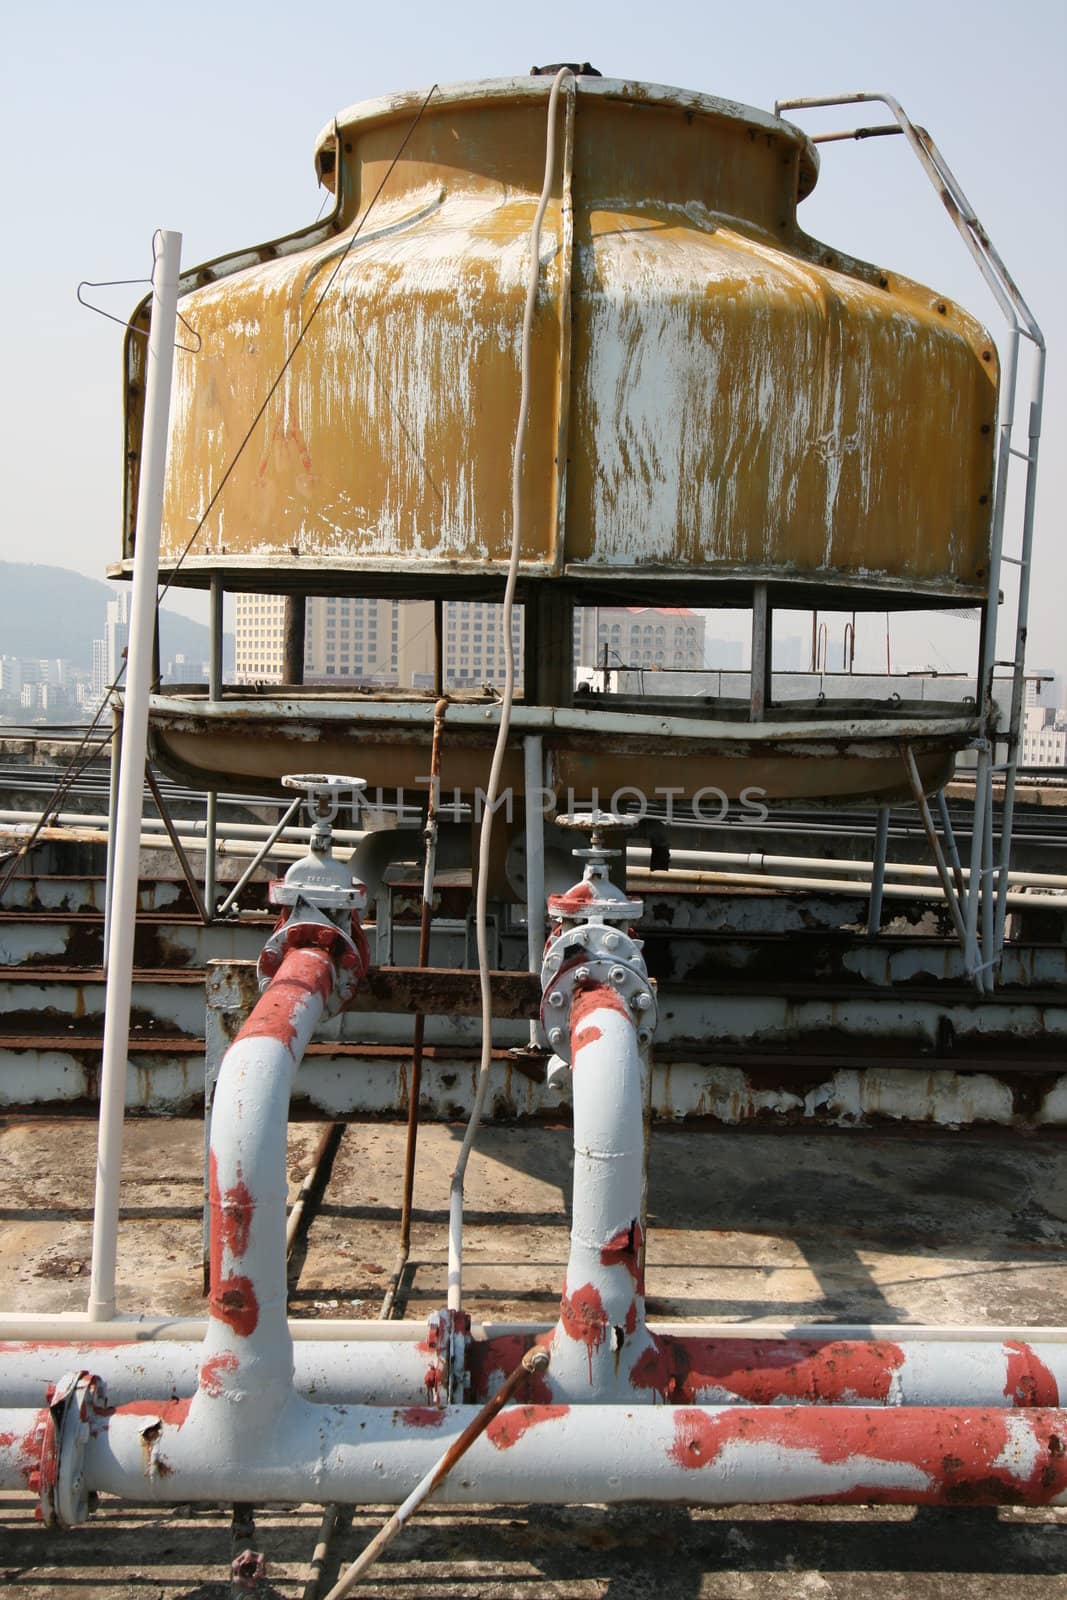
pixel 48 611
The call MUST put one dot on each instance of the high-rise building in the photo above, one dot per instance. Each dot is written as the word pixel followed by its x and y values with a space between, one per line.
pixel 100 679
pixel 116 634
pixel 376 643
pixel 1044 740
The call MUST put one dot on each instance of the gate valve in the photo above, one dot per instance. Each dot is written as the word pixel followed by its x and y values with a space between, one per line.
pixel 321 900
pixel 587 949
pixel 319 878
pixel 596 895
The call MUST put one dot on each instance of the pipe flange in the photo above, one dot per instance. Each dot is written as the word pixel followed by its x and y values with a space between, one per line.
pixel 308 928
pixel 630 983
pixel 64 1493
pixel 448 1337
pixel 591 939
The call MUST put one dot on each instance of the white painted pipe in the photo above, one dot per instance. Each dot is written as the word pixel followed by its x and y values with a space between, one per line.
pixel 114 1065
pixel 601 1331
pixel 716 1371
pixel 190 828
pixel 577 1455
pixel 247 1354
pixel 644 879
pixel 74 1328
pixel 754 861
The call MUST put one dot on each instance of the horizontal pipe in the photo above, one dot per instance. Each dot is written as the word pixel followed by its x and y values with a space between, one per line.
pixel 191 827
pixel 73 1327
pixel 754 861
pixel 677 1371
pixel 565 1455
pixel 648 882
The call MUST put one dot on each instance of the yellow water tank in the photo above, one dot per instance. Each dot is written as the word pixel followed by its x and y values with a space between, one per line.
pixel 717 397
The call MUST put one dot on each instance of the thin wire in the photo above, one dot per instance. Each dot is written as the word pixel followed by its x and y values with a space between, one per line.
pixel 301 336
pixel 455 1230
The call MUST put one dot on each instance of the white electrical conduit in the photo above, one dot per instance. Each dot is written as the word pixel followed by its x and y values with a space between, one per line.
pixel 455 1206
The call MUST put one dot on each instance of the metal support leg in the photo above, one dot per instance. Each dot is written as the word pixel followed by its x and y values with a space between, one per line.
pixel 881 846
pixel 950 844
pixel 934 842
pixel 760 683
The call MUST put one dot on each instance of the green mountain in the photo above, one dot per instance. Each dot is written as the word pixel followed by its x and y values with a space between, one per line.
pixel 49 611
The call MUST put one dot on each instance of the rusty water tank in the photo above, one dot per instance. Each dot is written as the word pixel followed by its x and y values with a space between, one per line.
pixel 717 397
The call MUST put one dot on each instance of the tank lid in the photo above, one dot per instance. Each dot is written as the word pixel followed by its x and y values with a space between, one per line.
pixel 536 86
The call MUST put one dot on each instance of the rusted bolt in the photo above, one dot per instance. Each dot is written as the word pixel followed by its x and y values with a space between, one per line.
pixel 583 974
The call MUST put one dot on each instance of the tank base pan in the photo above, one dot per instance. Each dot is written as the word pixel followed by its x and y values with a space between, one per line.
pixel 843 753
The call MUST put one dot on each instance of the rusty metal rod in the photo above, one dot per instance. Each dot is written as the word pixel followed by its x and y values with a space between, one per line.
pixel 415 1084
pixel 172 834
pixel 534 1361
pixel 327 1529
pixel 315 1181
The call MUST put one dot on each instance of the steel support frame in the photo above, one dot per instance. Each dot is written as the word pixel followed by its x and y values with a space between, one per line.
pixel 985 944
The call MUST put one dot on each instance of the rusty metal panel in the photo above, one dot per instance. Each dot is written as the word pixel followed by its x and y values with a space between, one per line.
pixel 736 398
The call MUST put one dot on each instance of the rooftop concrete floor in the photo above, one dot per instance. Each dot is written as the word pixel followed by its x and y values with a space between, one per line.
pixel 743 1226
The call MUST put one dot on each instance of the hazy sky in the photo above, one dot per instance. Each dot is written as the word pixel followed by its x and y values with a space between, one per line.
pixel 119 118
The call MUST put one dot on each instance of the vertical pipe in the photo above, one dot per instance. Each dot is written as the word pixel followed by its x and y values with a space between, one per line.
pixel 131 778
pixel 211 844
pixel 533 763
pixel 989 893
pixel 601 1331
pixel 112 816
pixel 248 1347
pixel 982 778
pixel 881 847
